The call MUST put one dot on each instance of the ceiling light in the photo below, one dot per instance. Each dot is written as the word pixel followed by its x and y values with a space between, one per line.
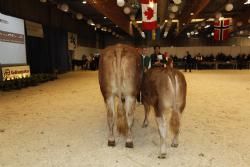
pixel 127 10
pixel 197 20
pixel 120 3
pixel 64 7
pixel 212 34
pixel 188 34
pixel 171 15
pixel 177 2
pixel 43 1
pixel 192 33
pixel 84 2
pixel 191 13
pixel 239 24
pixel 105 17
pixel 79 16
pixel 174 8
pixel 98 26
pixel 229 7
pixel 218 15
pixel 207 26
pixel 247 2
pixel 248 37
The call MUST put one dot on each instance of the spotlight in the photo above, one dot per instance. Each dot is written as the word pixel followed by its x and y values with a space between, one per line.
pixel 120 3
pixel 247 2
pixel 79 16
pixel 177 2
pixel 229 7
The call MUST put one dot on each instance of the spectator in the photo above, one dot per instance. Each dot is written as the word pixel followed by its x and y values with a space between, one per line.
pixel 157 57
pixel 188 62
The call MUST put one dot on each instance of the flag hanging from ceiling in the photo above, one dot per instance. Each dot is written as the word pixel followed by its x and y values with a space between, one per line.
pixel 149 14
pixel 221 29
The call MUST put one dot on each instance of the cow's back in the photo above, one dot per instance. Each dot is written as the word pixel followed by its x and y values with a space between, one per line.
pixel 165 84
pixel 119 71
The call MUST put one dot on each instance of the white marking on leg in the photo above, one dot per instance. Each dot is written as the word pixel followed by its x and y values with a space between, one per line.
pixel 129 109
pixel 163 134
pixel 111 117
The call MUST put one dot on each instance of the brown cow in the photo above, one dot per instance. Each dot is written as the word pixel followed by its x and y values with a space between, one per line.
pixel 164 89
pixel 120 76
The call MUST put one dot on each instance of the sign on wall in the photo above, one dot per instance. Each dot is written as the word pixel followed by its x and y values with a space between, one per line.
pixel 11 37
pixel 72 41
pixel 12 40
pixel 34 29
pixel 15 72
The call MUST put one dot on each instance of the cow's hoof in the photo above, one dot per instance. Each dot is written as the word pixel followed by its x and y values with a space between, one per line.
pixel 111 143
pixel 162 156
pixel 129 145
pixel 144 125
pixel 174 145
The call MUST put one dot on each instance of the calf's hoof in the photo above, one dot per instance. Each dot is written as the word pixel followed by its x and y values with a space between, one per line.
pixel 162 156
pixel 129 145
pixel 111 143
pixel 175 145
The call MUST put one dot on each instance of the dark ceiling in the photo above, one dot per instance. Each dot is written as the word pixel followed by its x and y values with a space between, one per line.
pixel 119 22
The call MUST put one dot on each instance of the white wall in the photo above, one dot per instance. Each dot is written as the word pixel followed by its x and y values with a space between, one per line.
pixel 12 53
pixel 79 51
pixel 205 50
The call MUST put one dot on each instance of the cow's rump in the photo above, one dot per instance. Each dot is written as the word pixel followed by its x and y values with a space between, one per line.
pixel 120 75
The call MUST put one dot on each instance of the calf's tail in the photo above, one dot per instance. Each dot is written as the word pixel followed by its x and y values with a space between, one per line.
pixel 175 115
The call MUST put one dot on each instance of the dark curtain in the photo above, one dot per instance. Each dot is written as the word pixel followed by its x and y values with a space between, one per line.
pixel 48 54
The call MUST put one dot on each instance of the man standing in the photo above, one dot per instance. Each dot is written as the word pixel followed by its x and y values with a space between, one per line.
pixel 157 58
pixel 146 60
pixel 188 62
pixel 146 65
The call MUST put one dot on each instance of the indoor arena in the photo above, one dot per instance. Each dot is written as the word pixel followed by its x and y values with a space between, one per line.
pixel 117 83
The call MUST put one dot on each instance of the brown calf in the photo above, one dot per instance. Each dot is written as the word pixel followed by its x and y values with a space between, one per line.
pixel 164 89
pixel 120 76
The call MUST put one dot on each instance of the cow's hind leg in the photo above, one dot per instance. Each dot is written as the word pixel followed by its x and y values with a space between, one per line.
pixel 161 122
pixel 129 107
pixel 147 109
pixel 175 127
pixel 110 103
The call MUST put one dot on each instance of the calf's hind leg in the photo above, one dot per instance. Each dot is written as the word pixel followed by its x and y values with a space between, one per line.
pixel 161 122
pixel 175 127
pixel 110 104
pixel 147 109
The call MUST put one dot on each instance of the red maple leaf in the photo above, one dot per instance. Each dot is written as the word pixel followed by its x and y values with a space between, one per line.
pixel 149 13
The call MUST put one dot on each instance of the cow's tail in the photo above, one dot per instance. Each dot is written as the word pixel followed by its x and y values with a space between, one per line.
pixel 175 115
pixel 122 126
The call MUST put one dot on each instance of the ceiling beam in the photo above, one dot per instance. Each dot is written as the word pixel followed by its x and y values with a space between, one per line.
pixel 196 9
pixel 110 9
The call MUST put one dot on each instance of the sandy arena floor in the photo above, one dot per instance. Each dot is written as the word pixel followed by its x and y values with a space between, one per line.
pixel 63 124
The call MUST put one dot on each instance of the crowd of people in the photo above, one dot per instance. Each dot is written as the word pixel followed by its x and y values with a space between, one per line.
pixel 199 61
pixel 87 62
pixel 158 59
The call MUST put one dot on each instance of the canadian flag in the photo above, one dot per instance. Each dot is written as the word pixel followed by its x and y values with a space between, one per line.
pixel 149 14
